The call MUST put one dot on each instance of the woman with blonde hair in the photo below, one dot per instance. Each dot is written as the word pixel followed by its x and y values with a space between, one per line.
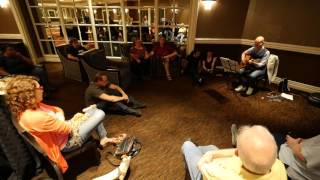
pixel 47 123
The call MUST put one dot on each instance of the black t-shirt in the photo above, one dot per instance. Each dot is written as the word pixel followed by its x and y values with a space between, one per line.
pixel 74 51
pixel 193 61
pixel 14 65
pixel 93 92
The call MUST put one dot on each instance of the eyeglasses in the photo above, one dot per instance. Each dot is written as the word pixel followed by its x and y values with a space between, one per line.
pixel 39 88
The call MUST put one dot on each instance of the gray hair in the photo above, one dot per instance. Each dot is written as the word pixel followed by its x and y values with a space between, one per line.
pixel 257 148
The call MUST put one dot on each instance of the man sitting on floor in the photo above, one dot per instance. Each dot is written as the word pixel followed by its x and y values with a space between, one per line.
pixel 254 158
pixel 302 157
pixel 254 67
pixel 109 96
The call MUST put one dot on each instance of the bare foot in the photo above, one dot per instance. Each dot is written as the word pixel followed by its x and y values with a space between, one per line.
pixel 105 141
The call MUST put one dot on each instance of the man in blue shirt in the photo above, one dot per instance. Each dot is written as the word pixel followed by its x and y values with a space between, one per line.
pixel 255 67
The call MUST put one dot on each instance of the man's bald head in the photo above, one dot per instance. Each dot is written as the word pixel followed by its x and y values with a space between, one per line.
pixel 257 148
pixel 259 42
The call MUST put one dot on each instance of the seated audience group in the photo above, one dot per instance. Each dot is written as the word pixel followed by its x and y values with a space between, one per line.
pixel 162 52
pixel 256 153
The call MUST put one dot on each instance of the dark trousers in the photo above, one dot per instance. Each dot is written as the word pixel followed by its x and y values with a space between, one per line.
pixel 140 69
pixel 121 106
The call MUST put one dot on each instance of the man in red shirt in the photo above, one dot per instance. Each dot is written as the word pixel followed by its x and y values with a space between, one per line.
pixel 166 53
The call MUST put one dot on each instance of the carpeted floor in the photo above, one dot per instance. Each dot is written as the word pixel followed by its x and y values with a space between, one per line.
pixel 178 110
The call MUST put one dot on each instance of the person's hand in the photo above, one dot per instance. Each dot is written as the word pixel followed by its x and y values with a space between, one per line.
pixel 126 98
pixel 292 142
pixel 250 61
pixel 18 54
pixel 296 146
pixel 138 61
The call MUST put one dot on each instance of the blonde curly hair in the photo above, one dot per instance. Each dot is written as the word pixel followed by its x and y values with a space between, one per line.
pixel 21 94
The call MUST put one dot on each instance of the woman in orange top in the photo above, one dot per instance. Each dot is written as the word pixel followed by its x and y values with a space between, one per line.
pixel 46 123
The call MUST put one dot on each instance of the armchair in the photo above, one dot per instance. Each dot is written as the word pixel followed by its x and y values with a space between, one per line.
pixel 71 69
pixel 95 61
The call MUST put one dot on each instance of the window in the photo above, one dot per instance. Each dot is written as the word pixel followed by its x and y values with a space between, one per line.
pixel 107 24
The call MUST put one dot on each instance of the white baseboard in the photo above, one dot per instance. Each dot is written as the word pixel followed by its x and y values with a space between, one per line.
pixel 11 36
pixel 299 86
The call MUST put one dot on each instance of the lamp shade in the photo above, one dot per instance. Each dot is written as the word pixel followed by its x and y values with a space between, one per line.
pixel 207 4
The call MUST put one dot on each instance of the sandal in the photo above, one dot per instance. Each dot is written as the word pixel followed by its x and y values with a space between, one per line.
pixel 169 78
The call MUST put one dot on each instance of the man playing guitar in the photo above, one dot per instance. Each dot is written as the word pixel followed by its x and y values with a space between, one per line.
pixel 253 64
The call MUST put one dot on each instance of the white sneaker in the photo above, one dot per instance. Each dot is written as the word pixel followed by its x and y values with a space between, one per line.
pixel 249 91
pixel 240 88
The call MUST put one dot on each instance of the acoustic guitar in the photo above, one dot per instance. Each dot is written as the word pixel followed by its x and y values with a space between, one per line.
pixel 245 61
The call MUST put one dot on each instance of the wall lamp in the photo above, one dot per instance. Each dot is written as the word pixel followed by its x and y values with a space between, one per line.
pixel 4 3
pixel 208 4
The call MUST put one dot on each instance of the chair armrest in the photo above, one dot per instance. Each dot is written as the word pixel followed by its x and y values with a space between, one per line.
pixel 88 51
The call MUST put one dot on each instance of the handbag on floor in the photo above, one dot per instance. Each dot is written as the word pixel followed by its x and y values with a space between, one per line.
pixel 130 146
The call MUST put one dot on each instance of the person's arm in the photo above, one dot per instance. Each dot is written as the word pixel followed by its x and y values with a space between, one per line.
pixel 263 61
pixel 213 63
pixel 215 154
pixel 246 52
pixel 23 58
pixel 134 57
pixel 204 65
pixel 71 57
pixel 111 98
pixel 60 113
pixel 43 122
pixel 117 88
pixel 146 54
pixel 295 146
pixel 3 72
pixel 170 55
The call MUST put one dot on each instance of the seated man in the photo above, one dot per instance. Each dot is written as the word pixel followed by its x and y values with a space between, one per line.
pixel 254 67
pixel 165 53
pixel 109 96
pixel 13 62
pixel 74 49
pixel 302 157
pixel 254 158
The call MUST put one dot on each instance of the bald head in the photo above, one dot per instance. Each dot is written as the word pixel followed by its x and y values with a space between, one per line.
pixel 257 149
pixel 259 42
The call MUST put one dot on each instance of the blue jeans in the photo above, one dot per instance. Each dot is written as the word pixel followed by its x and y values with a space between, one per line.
pixel 94 122
pixel 249 74
pixel 192 155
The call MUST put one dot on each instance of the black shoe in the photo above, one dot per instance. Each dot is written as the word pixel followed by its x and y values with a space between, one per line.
pixel 138 106
pixel 137 114
pixel 134 112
